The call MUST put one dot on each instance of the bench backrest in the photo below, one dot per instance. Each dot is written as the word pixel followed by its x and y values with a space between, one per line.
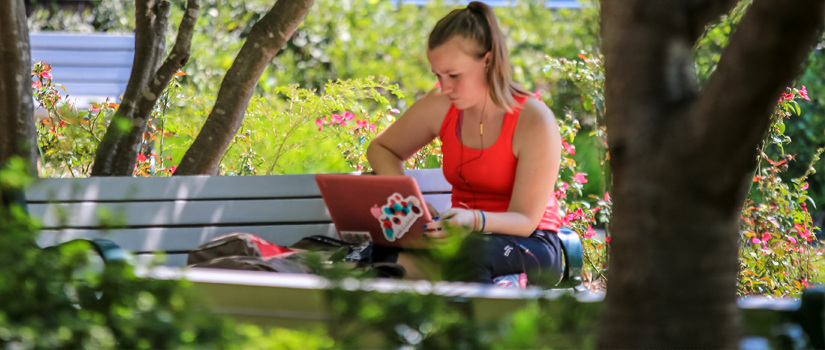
pixel 177 214
pixel 90 66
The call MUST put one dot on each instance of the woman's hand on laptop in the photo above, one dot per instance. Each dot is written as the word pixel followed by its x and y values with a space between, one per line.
pixel 449 218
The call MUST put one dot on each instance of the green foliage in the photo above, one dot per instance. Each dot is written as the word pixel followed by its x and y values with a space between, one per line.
pixel 62 298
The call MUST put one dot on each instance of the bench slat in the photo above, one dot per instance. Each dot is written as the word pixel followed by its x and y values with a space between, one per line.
pixel 199 187
pixel 79 58
pixel 87 41
pixel 191 213
pixel 112 90
pixel 118 75
pixel 186 238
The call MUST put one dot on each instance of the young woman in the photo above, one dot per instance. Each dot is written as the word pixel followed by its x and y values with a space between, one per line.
pixel 501 151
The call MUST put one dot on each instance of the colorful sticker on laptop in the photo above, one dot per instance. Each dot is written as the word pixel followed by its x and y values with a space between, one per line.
pixel 356 236
pixel 397 216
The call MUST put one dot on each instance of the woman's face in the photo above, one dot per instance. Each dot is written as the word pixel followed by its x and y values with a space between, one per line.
pixel 462 75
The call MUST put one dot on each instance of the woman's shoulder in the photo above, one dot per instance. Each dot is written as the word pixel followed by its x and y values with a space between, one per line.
pixel 434 100
pixel 431 109
pixel 536 113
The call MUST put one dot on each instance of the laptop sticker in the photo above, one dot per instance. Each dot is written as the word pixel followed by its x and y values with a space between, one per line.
pixel 397 216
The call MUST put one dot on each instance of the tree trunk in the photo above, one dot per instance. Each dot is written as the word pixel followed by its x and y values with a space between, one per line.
pixel 118 150
pixel 17 136
pixel 265 40
pixel 682 159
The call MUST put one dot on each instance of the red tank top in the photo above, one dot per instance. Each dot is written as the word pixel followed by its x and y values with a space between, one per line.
pixel 484 179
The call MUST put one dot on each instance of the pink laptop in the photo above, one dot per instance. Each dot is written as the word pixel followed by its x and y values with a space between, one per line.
pixel 388 210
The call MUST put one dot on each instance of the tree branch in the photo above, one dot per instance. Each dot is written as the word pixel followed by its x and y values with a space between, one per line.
pixel 173 63
pixel 265 40
pixel 765 54
pixel 703 12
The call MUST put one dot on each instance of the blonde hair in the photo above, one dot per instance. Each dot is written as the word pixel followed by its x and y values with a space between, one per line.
pixel 478 23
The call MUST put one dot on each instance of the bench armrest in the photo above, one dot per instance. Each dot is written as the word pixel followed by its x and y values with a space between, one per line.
pixel 573 258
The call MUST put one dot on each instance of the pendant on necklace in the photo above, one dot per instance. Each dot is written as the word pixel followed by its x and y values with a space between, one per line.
pixel 481 129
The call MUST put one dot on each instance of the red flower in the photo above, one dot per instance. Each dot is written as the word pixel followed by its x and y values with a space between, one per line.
pixel 804 93
pixel 141 157
pixel 607 239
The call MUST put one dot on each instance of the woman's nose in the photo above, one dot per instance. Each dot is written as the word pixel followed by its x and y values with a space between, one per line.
pixel 446 87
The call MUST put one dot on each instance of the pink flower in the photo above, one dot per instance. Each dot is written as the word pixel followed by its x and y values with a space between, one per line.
pixel 803 231
pixel 320 122
pixel 756 240
pixel 766 237
pixel 787 96
pixel 171 169
pixel 568 147
pixel 46 74
pixel 395 110
pixel 607 196
pixel 141 157
pixel 590 233
pixel 792 239
pixel 438 84
pixel 372 127
pixel 580 178
pixel 36 84
pixel 348 116
pixel 95 108
pixel 361 123
pixel 338 119
pixel 580 212
pixel 359 167
pixel 805 186
pixel 804 93
pixel 607 239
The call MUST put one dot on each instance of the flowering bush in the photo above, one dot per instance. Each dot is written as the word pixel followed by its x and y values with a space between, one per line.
pixel 583 212
pixel 779 255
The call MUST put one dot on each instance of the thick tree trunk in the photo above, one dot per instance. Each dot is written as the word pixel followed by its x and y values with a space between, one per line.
pixel 682 159
pixel 17 135
pixel 118 150
pixel 265 40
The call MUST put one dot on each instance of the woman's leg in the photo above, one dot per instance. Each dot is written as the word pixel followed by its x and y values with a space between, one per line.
pixel 483 257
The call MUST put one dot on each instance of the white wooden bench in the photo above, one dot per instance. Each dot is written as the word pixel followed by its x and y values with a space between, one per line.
pixel 91 66
pixel 174 215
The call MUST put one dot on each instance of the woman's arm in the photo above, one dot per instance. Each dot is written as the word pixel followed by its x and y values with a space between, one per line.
pixel 537 145
pixel 417 127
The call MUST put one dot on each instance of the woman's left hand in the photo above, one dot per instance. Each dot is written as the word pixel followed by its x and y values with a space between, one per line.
pixel 459 217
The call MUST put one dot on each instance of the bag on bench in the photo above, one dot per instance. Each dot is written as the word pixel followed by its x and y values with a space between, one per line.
pixel 244 251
